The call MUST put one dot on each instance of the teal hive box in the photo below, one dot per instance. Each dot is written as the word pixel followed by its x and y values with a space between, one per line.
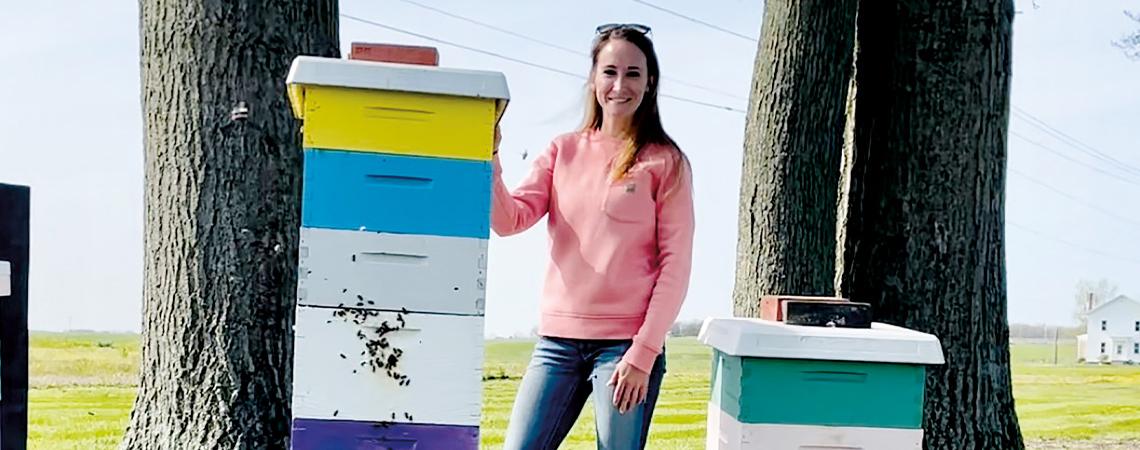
pixel 777 386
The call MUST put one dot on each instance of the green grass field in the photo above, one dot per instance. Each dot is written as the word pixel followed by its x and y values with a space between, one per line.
pixel 83 387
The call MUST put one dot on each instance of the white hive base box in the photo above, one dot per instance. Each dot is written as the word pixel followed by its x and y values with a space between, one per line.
pixel 726 433
pixel 441 357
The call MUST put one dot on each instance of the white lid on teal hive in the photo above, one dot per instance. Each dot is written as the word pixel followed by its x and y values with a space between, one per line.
pixel 5 278
pixel 313 70
pixel 760 338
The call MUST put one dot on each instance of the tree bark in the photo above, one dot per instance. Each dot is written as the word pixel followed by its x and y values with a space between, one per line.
pixel 222 219
pixel 792 147
pixel 925 222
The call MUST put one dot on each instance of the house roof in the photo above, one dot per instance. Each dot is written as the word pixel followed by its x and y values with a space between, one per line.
pixel 1114 300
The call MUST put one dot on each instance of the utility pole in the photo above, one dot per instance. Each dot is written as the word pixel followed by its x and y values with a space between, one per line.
pixel 1056 331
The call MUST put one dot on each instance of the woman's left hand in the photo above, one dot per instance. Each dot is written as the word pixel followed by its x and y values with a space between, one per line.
pixel 498 139
pixel 631 386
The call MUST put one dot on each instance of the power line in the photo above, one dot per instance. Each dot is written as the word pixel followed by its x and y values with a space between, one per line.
pixel 698 21
pixel 1072 141
pixel 556 46
pixel 1071 244
pixel 1028 117
pixel 521 61
pixel 1017 111
pixel 493 27
pixel 453 44
pixel 1074 160
pixel 1021 113
pixel 1073 198
pixel 722 107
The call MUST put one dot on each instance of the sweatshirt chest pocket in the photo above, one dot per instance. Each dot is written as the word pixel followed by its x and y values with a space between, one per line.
pixel 630 199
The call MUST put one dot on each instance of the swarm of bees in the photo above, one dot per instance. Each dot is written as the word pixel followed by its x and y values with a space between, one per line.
pixel 379 354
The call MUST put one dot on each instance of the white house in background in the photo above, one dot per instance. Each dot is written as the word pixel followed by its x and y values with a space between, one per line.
pixel 1113 332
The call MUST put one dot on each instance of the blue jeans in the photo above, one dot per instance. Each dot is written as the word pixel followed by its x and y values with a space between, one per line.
pixel 562 375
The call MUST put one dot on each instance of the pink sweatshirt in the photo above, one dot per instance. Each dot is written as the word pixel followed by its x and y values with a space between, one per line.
pixel 620 252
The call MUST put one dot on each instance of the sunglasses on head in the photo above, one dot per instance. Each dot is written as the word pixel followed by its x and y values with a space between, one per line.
pixel 609 27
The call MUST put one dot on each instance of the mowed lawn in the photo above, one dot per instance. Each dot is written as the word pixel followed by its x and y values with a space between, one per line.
pixel 83 387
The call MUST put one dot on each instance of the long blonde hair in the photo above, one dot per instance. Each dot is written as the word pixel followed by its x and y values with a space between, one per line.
pixel 646 128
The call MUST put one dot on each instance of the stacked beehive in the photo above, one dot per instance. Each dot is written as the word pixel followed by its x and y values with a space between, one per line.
pixel 395 222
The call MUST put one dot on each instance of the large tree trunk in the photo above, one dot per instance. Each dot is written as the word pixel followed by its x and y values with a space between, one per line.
pixel 222 219
pixel 925 220
pixel 792 147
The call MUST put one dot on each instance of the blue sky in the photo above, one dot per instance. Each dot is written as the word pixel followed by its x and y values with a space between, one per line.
pixel 71 128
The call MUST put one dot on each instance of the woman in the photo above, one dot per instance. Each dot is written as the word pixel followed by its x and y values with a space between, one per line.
pixel 619 197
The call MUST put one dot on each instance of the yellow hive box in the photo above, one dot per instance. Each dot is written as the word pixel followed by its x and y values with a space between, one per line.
pixel 396 108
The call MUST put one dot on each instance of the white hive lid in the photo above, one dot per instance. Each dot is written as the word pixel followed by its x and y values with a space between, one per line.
pixel 312 70
pixel 760 338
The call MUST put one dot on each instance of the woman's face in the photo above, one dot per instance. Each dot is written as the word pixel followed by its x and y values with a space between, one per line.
pixel 620 79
